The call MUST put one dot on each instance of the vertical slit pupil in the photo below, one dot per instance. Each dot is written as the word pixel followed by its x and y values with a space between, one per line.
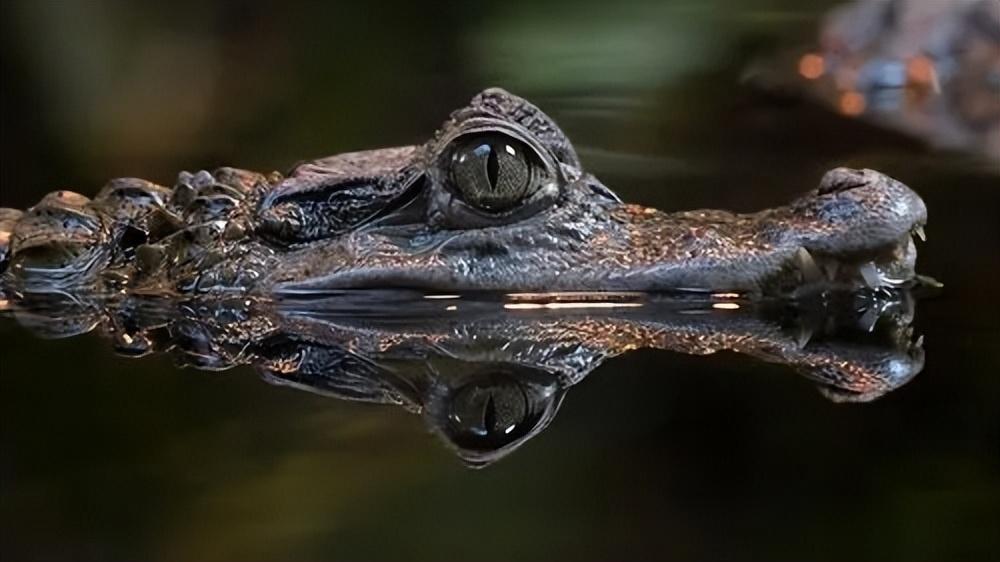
pixel 492 166
pixel 490 415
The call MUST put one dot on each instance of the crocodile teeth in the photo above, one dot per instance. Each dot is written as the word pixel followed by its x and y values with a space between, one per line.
pixel 919 231
pixel 810 271
pixel 868 320
pixel 929 281
pixel 803 336
pixel 870 275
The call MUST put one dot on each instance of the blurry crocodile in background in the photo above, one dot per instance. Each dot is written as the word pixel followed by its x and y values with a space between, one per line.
pixel 497 200
pixel 926 68
pixel 488 372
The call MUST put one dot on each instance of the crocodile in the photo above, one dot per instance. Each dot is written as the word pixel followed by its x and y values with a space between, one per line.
pixel 496 200
pixel 487 373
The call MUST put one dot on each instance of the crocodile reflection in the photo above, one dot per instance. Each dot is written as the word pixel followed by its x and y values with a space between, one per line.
pixel 487 374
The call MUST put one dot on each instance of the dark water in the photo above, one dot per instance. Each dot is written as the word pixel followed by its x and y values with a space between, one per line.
pixel 655 454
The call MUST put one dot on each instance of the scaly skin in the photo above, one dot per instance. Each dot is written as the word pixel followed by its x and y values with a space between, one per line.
pixel 395 218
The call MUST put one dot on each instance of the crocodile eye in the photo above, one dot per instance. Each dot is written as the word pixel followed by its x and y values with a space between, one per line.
pixel 493 172
pixel 489 414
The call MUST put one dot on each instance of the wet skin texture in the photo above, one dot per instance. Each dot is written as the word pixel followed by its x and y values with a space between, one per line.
pixel 496 200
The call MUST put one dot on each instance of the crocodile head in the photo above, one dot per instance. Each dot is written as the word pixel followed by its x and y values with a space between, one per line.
pixel 496 200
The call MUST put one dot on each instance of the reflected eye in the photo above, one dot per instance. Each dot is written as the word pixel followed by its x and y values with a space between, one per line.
pixel 493 172
pixel 490 413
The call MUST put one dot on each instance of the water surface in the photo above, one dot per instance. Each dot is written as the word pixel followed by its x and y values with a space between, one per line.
pixel 653 454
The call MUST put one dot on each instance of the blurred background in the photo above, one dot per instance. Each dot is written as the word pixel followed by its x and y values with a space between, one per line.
pixel 681 104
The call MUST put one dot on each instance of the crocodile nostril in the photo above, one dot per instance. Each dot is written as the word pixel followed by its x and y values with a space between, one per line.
pixel 131 237
pixel 842 179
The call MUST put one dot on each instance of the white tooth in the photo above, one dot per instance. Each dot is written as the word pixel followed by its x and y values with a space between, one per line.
pixel 868 319
pixel 870 275
pixel 802 338
pixel 929 281
pixel 919 342
pixel 919 231
pixel 810 271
